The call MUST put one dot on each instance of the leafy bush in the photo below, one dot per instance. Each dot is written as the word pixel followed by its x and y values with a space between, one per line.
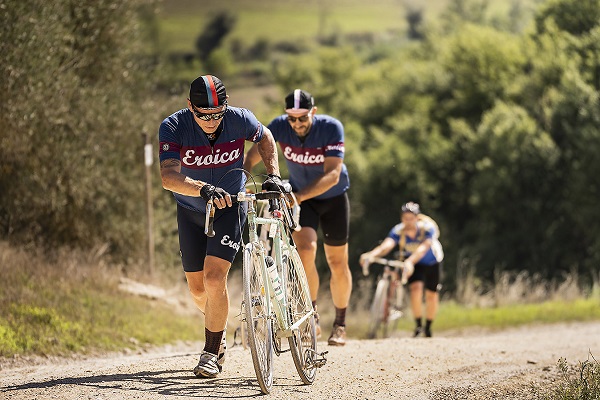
pixel 70 121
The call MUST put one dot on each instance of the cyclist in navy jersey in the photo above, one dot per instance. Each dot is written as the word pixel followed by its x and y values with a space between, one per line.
pixel 422 253
pixel 200 146
pixel 313 146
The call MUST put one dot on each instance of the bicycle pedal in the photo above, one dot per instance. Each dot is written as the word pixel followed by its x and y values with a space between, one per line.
pixel 318 359
pixel 321 360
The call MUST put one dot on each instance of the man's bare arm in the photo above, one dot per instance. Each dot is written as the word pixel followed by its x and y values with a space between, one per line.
pixel 420 252
pixel 267 149
pixel 175 181
pixel 252 158
pixel 331 176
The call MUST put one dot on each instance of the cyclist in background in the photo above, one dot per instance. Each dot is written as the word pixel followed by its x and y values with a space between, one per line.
pixel 422 254
pixel 313 146
pixel 200 146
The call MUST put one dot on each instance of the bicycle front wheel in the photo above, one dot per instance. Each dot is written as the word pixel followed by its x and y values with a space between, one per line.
pixel 256 311
pixel 378 308
pixel 303 342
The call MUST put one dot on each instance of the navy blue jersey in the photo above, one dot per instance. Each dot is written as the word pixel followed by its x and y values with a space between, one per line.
pixel 305 160
pixel 425 231
pixel 182 138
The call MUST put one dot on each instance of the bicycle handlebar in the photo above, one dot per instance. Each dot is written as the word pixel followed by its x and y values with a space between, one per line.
pixel 241 196
pixel 383 261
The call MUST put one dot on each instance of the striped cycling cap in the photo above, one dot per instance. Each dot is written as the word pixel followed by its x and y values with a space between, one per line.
pixel 298 101
pixel 207 91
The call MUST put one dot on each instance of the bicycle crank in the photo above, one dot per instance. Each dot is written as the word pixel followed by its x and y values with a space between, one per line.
pixel 314 359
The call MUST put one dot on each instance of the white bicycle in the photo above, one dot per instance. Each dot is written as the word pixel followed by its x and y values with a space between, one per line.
pixel 276 300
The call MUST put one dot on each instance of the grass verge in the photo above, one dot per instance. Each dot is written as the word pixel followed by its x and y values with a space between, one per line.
pixel 576 382
pixel 72 304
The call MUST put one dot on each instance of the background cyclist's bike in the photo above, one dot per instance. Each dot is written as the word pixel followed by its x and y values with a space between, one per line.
pixel 388 301
pixel 276 301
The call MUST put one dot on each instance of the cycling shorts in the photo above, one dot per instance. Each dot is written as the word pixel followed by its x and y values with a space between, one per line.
pixel 430 274
pixel 333 214
pixel 194 245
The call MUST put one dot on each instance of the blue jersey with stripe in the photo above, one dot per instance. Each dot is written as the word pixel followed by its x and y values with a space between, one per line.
pixel 305 160
pixel 412 243
pixel 182 138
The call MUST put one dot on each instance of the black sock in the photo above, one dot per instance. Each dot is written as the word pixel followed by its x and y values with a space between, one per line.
pixel 213 341
pixel 428 324
pixel 340 317
pixel 418 322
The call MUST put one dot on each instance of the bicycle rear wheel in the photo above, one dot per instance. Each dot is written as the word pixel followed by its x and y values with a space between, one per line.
pixel 377 317
pixel 258 323
pixel 303 342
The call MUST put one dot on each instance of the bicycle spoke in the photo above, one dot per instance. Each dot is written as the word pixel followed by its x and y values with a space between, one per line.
pixel 257 319
pixel 303 343
pixel 378 319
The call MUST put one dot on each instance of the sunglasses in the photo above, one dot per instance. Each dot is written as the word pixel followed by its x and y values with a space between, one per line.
pixel 303 118
pixel 208 117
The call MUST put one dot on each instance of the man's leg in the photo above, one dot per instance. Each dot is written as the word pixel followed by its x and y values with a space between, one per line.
pixel 341 277
pixel 195 281
pixel 416 300
pixel 215 317
pixel 431 307
pixel 341 288
pixel 306 243
pixel 215 283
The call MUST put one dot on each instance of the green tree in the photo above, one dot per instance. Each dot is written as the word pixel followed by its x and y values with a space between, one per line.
pixel 512 192
pixel 481 63
pixel 573 16
pixel 213 34
pixel 70 124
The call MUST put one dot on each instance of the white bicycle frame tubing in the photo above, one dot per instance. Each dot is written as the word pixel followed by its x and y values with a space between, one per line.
pixel 281 245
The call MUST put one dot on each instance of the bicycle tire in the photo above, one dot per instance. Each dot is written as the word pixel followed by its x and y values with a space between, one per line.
pixel 393 304
pixel 377 317
pixel 303 342
pixel 258 323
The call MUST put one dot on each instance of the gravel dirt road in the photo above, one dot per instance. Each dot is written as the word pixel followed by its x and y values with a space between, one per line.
pixel 471 365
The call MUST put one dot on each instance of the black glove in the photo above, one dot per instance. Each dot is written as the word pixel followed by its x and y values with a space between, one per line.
pixel 274 184
pixel 212 192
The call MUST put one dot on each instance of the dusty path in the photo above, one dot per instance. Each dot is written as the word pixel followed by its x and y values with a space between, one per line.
pixel 499 365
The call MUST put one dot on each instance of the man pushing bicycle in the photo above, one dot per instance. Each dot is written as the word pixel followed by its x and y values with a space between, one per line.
pixel 201 154
pixel 421 251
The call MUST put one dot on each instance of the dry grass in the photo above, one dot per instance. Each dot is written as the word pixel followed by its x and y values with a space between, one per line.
pixel 70 301
pixel 67 301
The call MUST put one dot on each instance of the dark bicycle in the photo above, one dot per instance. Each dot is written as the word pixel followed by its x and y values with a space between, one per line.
pixel 388 301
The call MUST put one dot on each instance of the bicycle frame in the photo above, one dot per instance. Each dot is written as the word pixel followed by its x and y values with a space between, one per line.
pixel 277 302
pixel 282 247
pixel 386 294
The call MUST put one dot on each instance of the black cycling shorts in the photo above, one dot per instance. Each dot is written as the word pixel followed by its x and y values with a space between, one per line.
pixel 334 216
pixel 194 245
pixel 430 274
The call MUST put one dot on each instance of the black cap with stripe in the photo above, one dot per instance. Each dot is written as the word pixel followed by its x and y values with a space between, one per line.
pixel 207 91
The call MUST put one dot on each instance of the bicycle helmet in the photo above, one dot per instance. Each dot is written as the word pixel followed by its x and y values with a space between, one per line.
pixel 411 207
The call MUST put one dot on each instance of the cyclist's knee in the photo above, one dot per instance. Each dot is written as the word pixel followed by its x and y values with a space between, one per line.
pixel 306 246
pixel 197 291
pixel 338 267
pixel 214 279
